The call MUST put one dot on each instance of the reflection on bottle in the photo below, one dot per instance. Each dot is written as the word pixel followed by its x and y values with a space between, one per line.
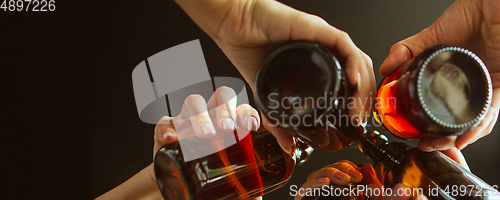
pixel 255 165
pixel 430 173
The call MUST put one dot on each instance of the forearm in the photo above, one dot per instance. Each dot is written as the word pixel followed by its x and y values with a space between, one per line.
pixel 141 186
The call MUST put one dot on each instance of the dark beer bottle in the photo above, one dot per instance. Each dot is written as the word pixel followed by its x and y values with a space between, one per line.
pixel 302 87
pixel 255 165
pixel 446 90
pixel 430 173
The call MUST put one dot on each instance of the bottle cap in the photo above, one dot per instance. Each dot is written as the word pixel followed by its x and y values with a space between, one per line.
pixel 454 89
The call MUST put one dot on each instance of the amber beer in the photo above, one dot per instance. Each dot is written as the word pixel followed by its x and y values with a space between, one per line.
pixel 302 87
pixel 445 91
pixel 255 165
pixel 430 173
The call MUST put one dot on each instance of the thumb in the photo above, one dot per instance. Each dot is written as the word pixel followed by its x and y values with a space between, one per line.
pixel 457 156
pixel 407 49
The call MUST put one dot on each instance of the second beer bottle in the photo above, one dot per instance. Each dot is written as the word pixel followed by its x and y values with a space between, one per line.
pixel 303 88
pixel 446 90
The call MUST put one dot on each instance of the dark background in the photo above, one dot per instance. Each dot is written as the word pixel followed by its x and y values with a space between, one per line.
pixel 70 128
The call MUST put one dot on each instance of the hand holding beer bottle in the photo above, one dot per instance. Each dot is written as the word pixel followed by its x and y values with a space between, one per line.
pixel 472 24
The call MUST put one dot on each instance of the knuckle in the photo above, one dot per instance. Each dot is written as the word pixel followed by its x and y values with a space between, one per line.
pixel 310 176
pixel 243 108
pixel 200 118
pixel 225 90
pixel 368 59
pixel 344 35
pixel 317 19
pixel 194 98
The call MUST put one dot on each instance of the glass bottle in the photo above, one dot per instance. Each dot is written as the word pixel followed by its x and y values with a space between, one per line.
pixel 446 90
pixel 255 165
pixel 302 87
pixel 430 173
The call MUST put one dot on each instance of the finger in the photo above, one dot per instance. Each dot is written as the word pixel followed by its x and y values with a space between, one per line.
pixel 283 136
pixel 164 132
pixel 398 193
pixel 398 55
pixel 479 131
pixel 369 175
pixel 359 69
pixel 409 48
pixel 224 102
pixel 457 156
pixel 371 181
pixel 441 143
pixel 335 176
pixel 364 92
pixel 421 197
pixel 195 108
pixel 247 117
pixel 348 169
pixel 486 131
pixel 375 191
pixel 313 183
pixel 313 28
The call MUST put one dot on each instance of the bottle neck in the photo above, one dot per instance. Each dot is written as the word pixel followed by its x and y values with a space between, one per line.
pixel 377 147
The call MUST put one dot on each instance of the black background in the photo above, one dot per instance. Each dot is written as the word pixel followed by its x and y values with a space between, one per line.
pixel 70 128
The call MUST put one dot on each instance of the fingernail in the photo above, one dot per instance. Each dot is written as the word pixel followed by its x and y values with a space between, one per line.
pixel 166 134
pixel 208 129
pixel 323 180
pixel 372 172
pixel 287 150
pixel 359 81
pixel 251 124
pixel 341 176
pixel 354 173
pixel 227 124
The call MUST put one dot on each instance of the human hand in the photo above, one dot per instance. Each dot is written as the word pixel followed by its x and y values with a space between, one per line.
pixel 210 119
pixel 472 24
pixel 339 173
pixel 247 31
pixel 345 172
pixel 219 113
